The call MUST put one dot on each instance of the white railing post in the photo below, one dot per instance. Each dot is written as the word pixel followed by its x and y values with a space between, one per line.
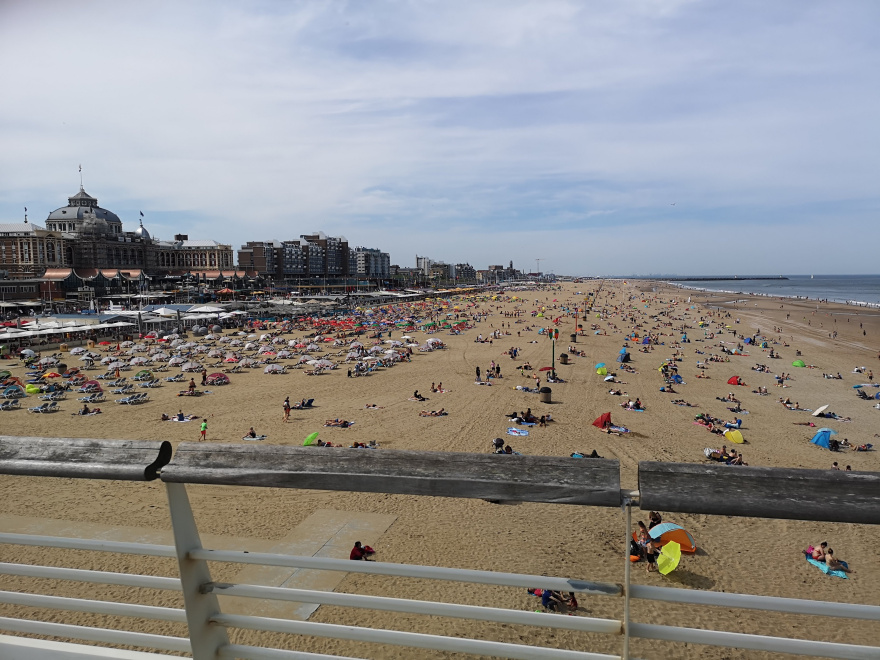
pixel 627 506
pixel 206 638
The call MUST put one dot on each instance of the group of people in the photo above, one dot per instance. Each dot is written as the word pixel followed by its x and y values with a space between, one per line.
pixel 822 553
pixel 643 546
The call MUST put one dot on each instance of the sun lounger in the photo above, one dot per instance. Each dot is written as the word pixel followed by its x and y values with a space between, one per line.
pixel 44 408
pixel 125 389
pixel 53 396
pixel 174 379
pixel 151 384
pixel 13 404
pixel 94 397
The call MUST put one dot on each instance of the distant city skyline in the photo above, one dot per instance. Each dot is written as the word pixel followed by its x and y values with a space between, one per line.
pixel 688 137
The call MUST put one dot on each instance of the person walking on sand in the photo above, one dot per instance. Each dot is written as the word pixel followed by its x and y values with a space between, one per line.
pixel 478 374
pixel 286 407
pixel 203 430
pixel 192 386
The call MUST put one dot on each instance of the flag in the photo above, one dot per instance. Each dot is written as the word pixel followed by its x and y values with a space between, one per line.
pixel 80 168
pixel 25 209
pixel 142 214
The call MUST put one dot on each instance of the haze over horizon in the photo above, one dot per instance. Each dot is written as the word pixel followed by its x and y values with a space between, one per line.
pixel 685 136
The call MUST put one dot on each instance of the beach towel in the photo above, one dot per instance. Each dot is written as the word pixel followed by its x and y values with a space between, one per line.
pixel 259 437
pixel 822 566
pixel 513 431
pixel 620 429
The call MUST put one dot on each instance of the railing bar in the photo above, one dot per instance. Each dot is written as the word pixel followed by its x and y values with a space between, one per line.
pixel 94 577
pixel 412 571
pixel 94 606
pixel 755 642
pixel 767 603
pixel 145 549
pixel 400 638
pixel 583 624
pixel 233 651
pixel 104 635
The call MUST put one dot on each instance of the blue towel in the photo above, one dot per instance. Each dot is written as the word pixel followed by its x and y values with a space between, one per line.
pixel 824 567
pixel 513 431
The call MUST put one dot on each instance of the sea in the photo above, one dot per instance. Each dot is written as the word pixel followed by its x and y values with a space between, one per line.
pixel 861 290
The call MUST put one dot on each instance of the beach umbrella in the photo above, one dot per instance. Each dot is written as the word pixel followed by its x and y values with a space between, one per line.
pixel 28 352
pixel 609 378
pixel 52 374
pixel 600 365
pixel 546 369
pixel 798 363
pixel 77 350
pixel 818 411
pixel 669 558
pixel 272 368
pixel 310 439
pixel 734 436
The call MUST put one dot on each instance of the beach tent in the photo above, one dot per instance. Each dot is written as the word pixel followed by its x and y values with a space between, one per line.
pixel 671 533
pixel 624 350
pixel 798 363
pixel 623 357
pixel 602 371
pixel 733 380
pixel 822 438
pixel 747 340
pixel 601 421
pixel 678 380
pixel 734 436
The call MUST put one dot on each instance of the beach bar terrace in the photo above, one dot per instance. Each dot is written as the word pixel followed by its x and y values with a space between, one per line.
pixel 815 495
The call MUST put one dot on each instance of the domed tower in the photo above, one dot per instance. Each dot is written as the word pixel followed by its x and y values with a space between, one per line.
pixel 142 233
pixel 83 215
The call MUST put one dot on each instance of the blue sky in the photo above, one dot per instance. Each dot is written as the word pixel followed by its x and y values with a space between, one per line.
pixel 641 136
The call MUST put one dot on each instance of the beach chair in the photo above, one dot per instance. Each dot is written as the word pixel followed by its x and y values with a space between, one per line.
pixel 174 379
pixel 309 403
pixel 125 389
pixel 151 384
pixel 87 389
pixel 141 398
pixel 12 404
pixel 53 396
pixel 126 400
pixel 43 407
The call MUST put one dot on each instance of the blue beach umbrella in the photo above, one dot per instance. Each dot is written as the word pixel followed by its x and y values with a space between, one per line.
pixel 601 364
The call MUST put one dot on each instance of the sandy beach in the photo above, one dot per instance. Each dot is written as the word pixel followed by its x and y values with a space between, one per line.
pixel 735 554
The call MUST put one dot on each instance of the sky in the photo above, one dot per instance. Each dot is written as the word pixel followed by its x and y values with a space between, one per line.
pixel 584 138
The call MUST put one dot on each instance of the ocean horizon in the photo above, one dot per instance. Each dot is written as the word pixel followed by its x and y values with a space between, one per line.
pixel 863 290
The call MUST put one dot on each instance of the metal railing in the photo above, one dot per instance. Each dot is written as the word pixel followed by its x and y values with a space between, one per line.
pixel 207 624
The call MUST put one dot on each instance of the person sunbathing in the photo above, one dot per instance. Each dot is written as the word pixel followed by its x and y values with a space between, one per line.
pixel 835 564
pixel 337 422
pixel 817 552
pixel 418 397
